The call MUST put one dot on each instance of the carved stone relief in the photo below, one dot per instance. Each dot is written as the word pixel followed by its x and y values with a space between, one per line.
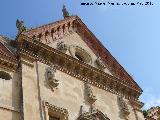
pixel 94 114
pixel 123 107
pixel 90 95
pixel 50 73
pixel 62 47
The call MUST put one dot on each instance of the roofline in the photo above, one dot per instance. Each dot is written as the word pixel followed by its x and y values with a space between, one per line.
pixel 75 17
pixel 109 53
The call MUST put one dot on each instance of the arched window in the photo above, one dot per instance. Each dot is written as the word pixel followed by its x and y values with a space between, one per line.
pixel 80 54
pixel 5 75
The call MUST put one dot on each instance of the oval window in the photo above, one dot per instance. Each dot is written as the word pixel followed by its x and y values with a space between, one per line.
pixel 80 54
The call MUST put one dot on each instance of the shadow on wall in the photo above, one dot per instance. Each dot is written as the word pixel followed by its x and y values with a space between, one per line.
pixel 16 96
pixel 120 107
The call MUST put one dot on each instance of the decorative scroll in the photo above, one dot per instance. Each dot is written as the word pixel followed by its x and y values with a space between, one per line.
pixel 52 82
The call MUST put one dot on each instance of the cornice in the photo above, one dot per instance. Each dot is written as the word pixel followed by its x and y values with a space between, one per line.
pixel 49 28
pixel 61 112
pixel 9 108
pixel 8 62
pixel 65 63
pixel 59 29
pixel 137 105
pixel 98 48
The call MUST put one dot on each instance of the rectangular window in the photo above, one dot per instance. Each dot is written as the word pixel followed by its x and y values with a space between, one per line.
pixel 53 112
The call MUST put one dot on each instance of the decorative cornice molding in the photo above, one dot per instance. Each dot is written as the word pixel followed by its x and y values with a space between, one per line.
pixel 62 112
pixel 72 24
pixel 8 63
pixel 7 59
pixel 93 116
pixel 75 68
pixel 9 108
pixel 137 105
pixel 54 30
pixel 97 47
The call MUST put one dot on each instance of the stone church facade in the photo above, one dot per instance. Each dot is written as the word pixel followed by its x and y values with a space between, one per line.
pixel 61 71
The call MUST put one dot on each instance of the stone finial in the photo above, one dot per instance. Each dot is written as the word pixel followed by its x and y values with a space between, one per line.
pixel 20 26
pixel 65 12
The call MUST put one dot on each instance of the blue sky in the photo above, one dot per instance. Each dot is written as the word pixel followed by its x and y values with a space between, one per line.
pixel 130 33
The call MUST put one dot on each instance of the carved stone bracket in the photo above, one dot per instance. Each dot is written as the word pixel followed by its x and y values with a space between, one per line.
pixel 52 82
pixel 91 97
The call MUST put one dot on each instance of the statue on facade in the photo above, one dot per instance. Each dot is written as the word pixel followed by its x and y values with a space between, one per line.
pixel 52 82
pixel 62 47
pixel 20 26
pixel 65 12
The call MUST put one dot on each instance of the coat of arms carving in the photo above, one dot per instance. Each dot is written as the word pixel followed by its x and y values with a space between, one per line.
pixel 50 73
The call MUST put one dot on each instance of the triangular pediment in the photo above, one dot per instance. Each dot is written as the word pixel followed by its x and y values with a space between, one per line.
pixel 73 30
pixel 8 59
pixel 4 47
